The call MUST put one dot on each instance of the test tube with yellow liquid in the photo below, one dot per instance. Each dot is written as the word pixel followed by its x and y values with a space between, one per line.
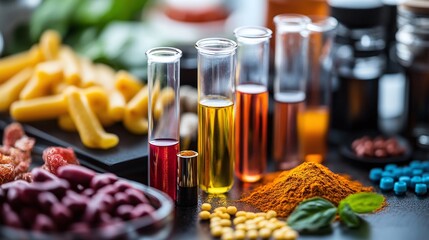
pixel 216 85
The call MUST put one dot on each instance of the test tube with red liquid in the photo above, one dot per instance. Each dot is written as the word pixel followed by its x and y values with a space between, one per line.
pixel 164 113
pixel 251 102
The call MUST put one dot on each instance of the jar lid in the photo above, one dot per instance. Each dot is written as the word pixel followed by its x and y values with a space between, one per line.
pixel 419 7
pixel 357 13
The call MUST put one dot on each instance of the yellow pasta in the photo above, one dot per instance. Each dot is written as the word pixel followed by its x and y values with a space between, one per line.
pixel 70 66
pixel 42 108
pixel 9 91
pixel 116 107
pixel 105 76
pixel 46 75
pixel 127 85
pixel 88 73
pixel 50 43
pixel 90 130
pixel 135 117
pixel 66 123
pixel 9 66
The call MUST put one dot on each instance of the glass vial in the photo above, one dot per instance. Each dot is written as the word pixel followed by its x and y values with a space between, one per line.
pixel 251 102
pixel 187 187
pixel 313 122
pixel 164 110
pixel 216 73
pixel 289 86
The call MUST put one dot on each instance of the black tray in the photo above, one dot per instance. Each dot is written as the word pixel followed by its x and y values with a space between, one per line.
pixel 128 158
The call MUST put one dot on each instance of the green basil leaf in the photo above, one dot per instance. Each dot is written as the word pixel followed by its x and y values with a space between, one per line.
pixel 347 216
pixel 312 215
pixel 364 202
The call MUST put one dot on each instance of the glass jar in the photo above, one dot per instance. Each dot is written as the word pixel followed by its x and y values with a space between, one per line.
pixel 359 62
pixel 413 54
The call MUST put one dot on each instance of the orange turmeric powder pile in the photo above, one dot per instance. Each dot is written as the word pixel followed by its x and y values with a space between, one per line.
pixel 305 181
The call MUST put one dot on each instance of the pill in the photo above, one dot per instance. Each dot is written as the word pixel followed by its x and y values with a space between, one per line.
pixel 387 174
pixel 407 171
pixel 400 188
pixel 397 172
pixel 222 209
pixel 240 213
pixel 417 172
pixel 425 166
pixel 375 174
pixel 415 180
pixel 425 180
pixel 386 183
pixel 421 189
pixel 204 215
pixel 390 167
pixel 265 233
pixel 271 214
pixel 415 164
pixel 406 180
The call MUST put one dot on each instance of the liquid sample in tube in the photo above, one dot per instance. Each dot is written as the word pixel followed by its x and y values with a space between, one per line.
pixel 251 131
pixel 216 144
pixel 163 165
pixel 287 107
pixel 312 130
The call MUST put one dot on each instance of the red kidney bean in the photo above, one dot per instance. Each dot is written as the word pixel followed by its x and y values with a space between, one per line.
pixel 46 200
pixel 61 215
pixel 121 185
pixel 124 211
pixel 75 202
pixel 121 198
pixel 19 184
pixel 102 180
pixel 57 187
pixel 108 190
pixel 80 228
pixel 43 223
pixel 88 192
pixel 41 175
pixel 76 174
pixel 10 218
pixel 28 215
pixel 141 210
pixel 13 197
pixel 135 196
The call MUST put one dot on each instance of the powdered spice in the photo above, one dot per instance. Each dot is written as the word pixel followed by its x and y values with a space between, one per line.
pixel 307 180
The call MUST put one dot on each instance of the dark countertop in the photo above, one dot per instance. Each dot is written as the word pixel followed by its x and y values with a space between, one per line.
pixel 404 217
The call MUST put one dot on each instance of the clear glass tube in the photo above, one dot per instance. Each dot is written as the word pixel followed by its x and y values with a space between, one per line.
pixel 313 122
pixel 164 110
pixel 289 86
pixel 216 73
pixel 251 102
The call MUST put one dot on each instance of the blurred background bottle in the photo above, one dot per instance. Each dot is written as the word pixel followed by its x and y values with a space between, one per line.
pixel 359 62
pixel 413 55
pixel 313 122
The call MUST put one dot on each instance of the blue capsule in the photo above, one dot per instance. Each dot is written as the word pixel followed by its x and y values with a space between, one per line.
pixel 421 189
pixel 375 174
pixel 390 167
pixel 425 180
pixel 415 180
pixel 397 172
pixel 415 164
pixel 406 180
pixel 387 174
pixel 386 183
pixel 400 188
pixel 417 172
pixel 407 171
pixel 425 166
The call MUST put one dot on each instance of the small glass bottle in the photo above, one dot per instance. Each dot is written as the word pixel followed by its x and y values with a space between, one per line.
pixel 251 102
pixel 216 85
pixel 359 62
pixel 313 122
pixel 413 54
pixel 164 82
pixel 289 86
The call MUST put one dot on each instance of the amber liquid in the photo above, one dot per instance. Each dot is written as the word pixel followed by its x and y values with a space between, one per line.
pixel 285 130
pixel 312 132
pixel 216 144
pixel 251 131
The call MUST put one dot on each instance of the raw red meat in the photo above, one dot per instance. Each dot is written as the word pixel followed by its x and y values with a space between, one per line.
pixel 56 157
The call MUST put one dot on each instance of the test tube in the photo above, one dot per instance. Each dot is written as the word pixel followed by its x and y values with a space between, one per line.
pixel 187 189
pixel 251 102
pixel 216 73
pixel 313 122
pixel 289 86
pixel 164 110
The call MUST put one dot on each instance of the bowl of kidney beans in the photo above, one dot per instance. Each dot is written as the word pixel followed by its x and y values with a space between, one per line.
pixel 81 204
pixel 377 149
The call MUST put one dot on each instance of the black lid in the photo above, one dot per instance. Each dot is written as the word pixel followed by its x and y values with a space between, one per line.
pixel 357 13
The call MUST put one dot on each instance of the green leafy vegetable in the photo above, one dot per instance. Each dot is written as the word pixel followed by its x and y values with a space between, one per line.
pixel 363 202
pixel 312 215
pixel 349 217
